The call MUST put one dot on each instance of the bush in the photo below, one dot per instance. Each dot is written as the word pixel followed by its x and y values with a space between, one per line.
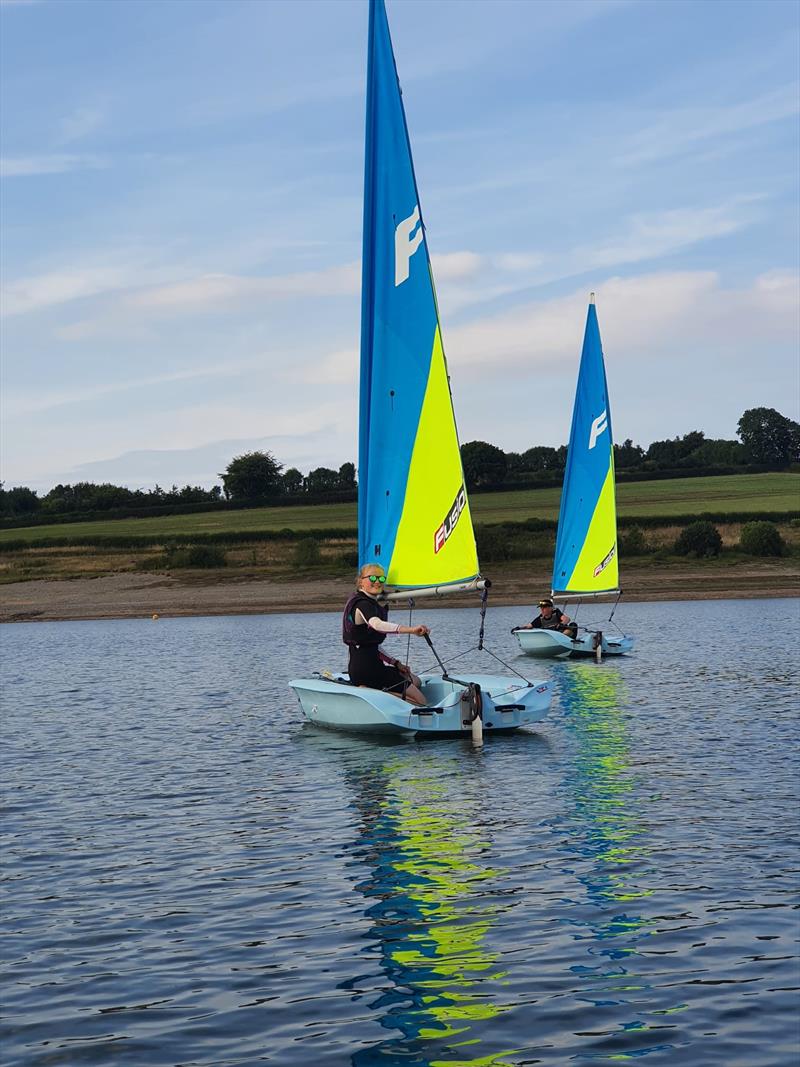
pixel 633 542
pixel 761 539
pixel 307 553
pixel 349 559
pixel 206 556
pixel 492 543
pixel 700 539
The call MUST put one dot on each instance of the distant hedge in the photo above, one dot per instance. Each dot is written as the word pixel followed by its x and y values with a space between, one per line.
pixel 233 537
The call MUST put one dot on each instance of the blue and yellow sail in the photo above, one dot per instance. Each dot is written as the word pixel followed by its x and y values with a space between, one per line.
pixel 586 559
pixel 413 513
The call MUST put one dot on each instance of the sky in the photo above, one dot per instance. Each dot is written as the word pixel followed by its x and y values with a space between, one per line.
pixel 181 194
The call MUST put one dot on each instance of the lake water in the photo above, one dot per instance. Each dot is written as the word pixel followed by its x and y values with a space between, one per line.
pixel 193 876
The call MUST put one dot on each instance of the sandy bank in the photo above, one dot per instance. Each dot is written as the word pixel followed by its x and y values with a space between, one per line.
pixel 137 595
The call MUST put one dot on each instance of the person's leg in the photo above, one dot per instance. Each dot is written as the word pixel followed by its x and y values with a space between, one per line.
pixel 414 695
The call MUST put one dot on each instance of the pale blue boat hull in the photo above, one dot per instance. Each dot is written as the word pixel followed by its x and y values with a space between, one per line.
pixel 550 644
pixel 508 704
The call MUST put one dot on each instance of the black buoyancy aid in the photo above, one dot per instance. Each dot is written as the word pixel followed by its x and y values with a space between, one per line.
pixel 354 633
pixel 553 622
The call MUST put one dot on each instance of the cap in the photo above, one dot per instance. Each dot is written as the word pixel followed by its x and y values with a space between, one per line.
pixel 547 603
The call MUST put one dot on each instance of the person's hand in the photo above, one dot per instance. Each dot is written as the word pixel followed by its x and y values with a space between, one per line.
pixel 421 631
pixel 515 628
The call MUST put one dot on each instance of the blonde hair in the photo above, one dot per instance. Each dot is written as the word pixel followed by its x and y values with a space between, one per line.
pixel 365 567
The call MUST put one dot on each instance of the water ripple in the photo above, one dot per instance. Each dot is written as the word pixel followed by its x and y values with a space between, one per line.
pixel 193 876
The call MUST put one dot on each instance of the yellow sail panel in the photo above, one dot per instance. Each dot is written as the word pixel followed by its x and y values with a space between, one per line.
pixel 435 541
pixel 597 568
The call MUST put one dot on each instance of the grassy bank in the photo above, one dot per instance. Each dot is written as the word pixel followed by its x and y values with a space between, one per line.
pixel 750 493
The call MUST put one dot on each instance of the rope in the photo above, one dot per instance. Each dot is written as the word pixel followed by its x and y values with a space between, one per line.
pixel 484 601
pixel 410 616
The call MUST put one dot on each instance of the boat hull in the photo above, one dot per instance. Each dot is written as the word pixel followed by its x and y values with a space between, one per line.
pixel 508 704
pixel 550 644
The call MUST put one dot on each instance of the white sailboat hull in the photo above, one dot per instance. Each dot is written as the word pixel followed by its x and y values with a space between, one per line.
pixel 550 644
pixel 508 704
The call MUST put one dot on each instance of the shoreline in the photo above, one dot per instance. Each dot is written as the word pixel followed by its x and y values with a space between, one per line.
pixel 136 595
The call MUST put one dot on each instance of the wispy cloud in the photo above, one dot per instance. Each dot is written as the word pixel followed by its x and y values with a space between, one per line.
pixel 217 291
pixel 654 234
pixel 80 123
pixel 677 131
pixel 58 287
pixel 52 163
pixel 19 402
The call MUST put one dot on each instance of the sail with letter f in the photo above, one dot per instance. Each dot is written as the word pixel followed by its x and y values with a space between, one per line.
pixel 413 512
pixel 586 559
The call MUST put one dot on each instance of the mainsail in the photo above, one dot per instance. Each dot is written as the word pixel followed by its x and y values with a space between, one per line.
pixel 413 513
pixel 586 547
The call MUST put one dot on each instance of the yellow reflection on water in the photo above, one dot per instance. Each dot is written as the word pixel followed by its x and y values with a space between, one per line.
pixel 427 851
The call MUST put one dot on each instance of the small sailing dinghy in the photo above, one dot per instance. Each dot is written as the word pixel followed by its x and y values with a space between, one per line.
pixel 413 513
pixel 586 564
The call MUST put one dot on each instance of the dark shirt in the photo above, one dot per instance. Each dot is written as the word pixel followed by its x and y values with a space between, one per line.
pixel 553 623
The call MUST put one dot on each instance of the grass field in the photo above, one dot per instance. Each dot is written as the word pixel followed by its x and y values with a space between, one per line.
pixel 676 496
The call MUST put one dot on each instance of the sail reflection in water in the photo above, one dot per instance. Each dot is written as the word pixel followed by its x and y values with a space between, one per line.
pixel 435 900
pixel 606 827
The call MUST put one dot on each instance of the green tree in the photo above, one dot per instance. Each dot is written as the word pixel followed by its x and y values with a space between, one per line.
pixel 541 458
pixel 347 476
pixel 252 476
pixel 717 452
pixel 628 455
pixel 20 501
pixel 484 464
pixel 292 481
pixel 322 480
pixel 677 452
pixel 769 438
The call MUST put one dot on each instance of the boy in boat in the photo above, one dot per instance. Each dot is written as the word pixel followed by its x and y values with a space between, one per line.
pixel 365 625
pixel 551 618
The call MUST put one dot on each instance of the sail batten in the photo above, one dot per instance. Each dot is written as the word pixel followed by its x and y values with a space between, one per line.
pixel 586 561
pixel 414 517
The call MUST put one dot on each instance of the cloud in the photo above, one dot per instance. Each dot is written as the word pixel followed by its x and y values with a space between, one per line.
pixel 80 123
pixel 640 316
pixel 447 265
pixel 58 287
pixel 679 131
pixel 337 368
pixel 661 233
pixel 219 291
pixel 23 402
pixel 53 163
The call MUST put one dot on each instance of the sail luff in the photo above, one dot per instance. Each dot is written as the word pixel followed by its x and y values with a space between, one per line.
pixel 367 292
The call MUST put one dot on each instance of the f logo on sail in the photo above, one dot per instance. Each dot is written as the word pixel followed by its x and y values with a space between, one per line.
pixel 599 425
pixel 406 241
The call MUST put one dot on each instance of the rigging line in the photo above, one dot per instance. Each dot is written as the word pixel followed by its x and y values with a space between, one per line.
pixel 466 652
pixel 484 600
pixel 611 616
pixel 507 666
pixel 410 616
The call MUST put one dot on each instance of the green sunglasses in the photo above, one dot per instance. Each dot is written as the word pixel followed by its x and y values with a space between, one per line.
pixel 377 578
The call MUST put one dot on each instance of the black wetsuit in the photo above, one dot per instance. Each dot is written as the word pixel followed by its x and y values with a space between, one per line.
pixel 367 665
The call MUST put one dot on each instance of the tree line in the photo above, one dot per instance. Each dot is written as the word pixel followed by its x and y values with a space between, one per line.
pixel 767 440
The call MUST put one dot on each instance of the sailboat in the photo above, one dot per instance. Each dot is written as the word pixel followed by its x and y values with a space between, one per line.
pixel 586 562
pixel 413 512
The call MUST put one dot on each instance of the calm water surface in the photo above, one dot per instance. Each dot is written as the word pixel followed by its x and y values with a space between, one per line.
pixel 193 876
